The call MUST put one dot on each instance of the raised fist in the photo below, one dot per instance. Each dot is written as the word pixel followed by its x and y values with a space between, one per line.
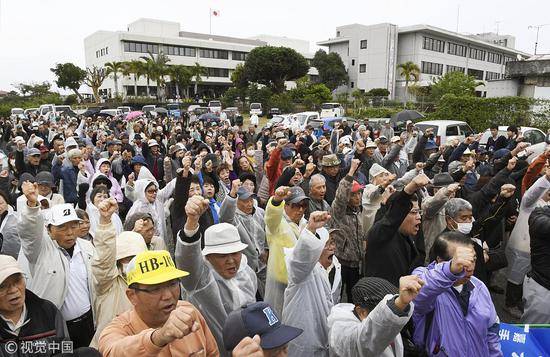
pixel 317 220
pixel 281 193
pixel 30 190
pixel 463 258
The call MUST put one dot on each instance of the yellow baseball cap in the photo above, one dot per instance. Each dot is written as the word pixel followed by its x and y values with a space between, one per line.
pixel 152 267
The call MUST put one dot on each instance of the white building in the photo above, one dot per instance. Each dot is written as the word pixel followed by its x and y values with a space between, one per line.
pixel 219 54
pixel 372 53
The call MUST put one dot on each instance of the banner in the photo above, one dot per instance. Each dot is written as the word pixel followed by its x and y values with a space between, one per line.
pixel 524 341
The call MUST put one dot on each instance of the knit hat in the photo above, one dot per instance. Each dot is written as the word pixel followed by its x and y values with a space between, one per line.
pixel 368 292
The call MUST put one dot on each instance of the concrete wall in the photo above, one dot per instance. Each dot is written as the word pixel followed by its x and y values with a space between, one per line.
pixel 502 88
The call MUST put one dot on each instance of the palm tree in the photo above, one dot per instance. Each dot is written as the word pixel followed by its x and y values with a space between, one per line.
pixel 135 68
pixel 156 70
pixel 409 70
pixel 114 68
pixel 197 71
pixel 181 76
pixel 94 79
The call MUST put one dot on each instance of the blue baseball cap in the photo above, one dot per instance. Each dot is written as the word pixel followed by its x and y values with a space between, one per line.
pixel 244 194
pixel 286 154
pixel 257 319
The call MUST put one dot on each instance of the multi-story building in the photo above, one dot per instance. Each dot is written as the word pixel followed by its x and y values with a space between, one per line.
pixel 220 55
pixel 372 53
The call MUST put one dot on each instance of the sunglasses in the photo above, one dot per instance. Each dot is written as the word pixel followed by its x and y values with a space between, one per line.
pixel 299 205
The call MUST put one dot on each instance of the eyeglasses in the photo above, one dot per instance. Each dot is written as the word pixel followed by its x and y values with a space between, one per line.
pixel 414 212
pixel 157 290
pixel 299 205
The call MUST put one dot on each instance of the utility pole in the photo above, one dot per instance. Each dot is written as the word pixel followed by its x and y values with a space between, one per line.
pixel 498 25
pixel 457 16
pixel 537 27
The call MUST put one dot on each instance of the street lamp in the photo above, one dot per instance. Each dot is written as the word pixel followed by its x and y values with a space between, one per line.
pixel 538 27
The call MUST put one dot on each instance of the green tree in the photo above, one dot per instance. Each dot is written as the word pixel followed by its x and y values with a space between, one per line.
pixel 94 79
pixel 34 89
pixel 272 66
pixel 359 98
pixel 197 71
pixel 230 96
pixel 456 83
pixel 257 94
pixel 181 76
pixel 378 92
pixel 156 70
pixel 316 94
pixel 410 71
pixel 69 76
pixel 238 78
pixel 114 68
pixel 136 69
pixel 332 71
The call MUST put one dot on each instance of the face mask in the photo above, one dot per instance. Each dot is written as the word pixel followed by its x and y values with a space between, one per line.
pixel 250 152
pixel 464 228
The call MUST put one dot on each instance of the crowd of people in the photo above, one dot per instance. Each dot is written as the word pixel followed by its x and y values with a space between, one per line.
pixel 159 237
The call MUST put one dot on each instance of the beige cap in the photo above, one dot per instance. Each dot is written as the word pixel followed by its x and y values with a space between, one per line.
pixel 8 267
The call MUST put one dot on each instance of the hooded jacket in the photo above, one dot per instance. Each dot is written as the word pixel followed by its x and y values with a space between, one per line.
pixel 155 209
pixel 10 243
pixel 213 295
pixel 308 296
pixel 116 191
pixel 351 337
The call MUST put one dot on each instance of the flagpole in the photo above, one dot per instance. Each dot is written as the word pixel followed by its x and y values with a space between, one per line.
pixel 210 21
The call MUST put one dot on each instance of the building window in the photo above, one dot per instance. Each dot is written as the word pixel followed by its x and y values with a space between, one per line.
pixel 456 49
pixel 492 76
pixel 353 62
pixel 96 54
pixel 238 56
pixel 218 72
pixel 454 69
pixel 508 59
pixel 433 45
pixel 352 84
pixel 494 57
pixel 337 33
pixel 477 54
pixel 154 48
pixel 362 68
pixel 432 68
pixel 217 54
pixel 363 44
pixel 107 50
pixel 476 73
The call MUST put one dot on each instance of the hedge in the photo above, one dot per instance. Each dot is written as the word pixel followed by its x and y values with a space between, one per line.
pixel 480 113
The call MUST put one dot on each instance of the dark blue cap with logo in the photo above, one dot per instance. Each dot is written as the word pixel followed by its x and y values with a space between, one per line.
pixel 257 319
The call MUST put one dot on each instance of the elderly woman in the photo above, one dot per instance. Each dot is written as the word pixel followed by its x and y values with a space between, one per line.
pixel 98 195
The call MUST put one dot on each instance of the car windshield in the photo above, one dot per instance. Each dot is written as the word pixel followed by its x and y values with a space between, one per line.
pixel 172 106
pixel 255 106
pixel 301 118
pixel 424 127
pixel 328 106
pixel 316 123
pixel 215 103
pixel 17 111
pixel 276 120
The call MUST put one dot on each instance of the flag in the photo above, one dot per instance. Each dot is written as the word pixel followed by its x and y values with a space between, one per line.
pixel 214 12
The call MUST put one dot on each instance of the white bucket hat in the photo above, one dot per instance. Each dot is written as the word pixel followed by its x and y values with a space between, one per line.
pixel 222 238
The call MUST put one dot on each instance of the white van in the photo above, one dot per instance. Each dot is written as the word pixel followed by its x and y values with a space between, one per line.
pixel 446 129
pixel 125 110
pixel 256 108
pixel 330 110
pixel 303 119
pixel 215 106
pixel 111 112
pixel 45 109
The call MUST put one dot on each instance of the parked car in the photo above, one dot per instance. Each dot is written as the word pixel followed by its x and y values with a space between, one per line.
pixel 125 110
pixel 45 109
pixel 272 112
pixel 30 111
pixel 446 129
pixel 111 112
pixel 174 109
pixel 232 113
pixel 534 136
pixel 332 110
pixel 256 108
pixel 17 113
pixel 305 118
pixel 215 106
pixel 278 121
pixel 323 126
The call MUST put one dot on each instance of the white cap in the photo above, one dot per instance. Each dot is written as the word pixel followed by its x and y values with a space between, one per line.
pixel 152 143
pixel 222 238
pixel 70 142
pixel 8 267
pixel 395 139
pixel 129 244
pixel 370 144
pixel 61 214
pixel 376 170
pixel 346 140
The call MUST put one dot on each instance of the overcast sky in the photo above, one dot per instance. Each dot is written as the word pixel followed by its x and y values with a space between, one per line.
pixel 36 34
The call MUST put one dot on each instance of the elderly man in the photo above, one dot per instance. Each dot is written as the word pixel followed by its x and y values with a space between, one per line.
pixel 33 164
pixel 350 237
pixel 221 280
pixel 69 174
pixel 459 217
pixel 284 221
pixel 308 265
pixel 159 324
pixel 453 313
pixel 25 317
pixel 58 263
pixel 330 169
pixel 317 191
pixel 238 210
pixel 391 248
